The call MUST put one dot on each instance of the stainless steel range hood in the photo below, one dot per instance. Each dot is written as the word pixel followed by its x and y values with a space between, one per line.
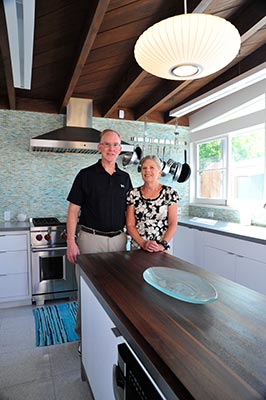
pixel 77 136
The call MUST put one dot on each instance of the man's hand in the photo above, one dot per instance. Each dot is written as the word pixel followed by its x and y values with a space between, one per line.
pixel 72 251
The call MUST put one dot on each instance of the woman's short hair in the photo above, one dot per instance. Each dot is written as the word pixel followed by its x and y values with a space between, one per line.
pixel 152 158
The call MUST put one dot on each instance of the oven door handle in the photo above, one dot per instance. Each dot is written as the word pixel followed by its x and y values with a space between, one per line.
pixel 40 249
pixel 118 383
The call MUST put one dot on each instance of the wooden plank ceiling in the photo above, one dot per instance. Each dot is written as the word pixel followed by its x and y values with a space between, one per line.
pixel 85 49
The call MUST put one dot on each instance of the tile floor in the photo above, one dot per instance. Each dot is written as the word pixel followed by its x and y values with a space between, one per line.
pixel 36 373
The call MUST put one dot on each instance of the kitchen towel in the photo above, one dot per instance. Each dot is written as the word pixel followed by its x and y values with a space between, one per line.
pixel 55 324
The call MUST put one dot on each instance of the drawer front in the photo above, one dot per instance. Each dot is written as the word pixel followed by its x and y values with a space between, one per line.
pixel 245 248
pixel 13 242
pixel 13 262
pixel 12 286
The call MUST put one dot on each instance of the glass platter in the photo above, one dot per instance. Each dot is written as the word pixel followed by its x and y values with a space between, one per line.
pixel 181 285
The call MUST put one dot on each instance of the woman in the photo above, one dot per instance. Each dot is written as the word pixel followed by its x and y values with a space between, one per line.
pixel 151 209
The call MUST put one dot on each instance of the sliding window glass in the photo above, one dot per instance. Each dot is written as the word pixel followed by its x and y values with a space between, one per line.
pixel 231 168
pixel 247 164
pixel 211 171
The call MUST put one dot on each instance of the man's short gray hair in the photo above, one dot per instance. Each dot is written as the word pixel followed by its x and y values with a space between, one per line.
pixel 109 130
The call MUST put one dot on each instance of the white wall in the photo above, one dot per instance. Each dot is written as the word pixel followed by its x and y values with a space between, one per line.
pixel 224 105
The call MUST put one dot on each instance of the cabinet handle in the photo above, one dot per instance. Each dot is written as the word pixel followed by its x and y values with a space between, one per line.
pixel 116 332
pixel 3 251
pixel 118 383
pixel 3 274
pixel 40 249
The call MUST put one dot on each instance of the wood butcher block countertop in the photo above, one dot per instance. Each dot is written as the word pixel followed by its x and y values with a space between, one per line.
pixel 193 351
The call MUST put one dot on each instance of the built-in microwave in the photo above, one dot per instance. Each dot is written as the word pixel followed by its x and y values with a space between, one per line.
pixel 130 381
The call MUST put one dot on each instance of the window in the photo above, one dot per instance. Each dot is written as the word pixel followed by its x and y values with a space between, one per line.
pixel 211 171
pixel 231 168
pixel 247 166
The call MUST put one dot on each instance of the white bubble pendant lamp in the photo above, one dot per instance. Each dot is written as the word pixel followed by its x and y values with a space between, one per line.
pixel 187 46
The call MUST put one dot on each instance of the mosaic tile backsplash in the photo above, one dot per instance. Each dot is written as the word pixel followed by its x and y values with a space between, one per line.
pixel 38 183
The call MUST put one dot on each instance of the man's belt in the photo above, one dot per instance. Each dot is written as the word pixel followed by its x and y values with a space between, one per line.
pixel 95 232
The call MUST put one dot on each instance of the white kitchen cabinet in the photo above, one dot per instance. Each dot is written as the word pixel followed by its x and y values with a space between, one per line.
pixel 251 273
pixel 99 345
pixel 220 262
pixel 14 268
pixel 183 244
pixel 239 260
pixel 187 244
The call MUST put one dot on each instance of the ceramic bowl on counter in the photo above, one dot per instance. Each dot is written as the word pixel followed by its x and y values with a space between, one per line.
pixel 21 217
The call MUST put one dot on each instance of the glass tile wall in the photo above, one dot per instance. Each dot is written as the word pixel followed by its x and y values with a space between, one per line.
pixel 38 183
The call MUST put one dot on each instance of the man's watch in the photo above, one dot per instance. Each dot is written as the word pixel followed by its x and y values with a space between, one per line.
pixel 164 243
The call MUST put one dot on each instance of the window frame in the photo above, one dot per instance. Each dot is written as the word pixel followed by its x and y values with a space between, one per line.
pixel 227 201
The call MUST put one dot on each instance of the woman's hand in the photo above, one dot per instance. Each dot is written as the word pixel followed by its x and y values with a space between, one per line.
pixel 152 246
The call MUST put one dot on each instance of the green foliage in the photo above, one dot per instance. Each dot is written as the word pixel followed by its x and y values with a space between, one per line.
pixel 246 147
pixel 209 152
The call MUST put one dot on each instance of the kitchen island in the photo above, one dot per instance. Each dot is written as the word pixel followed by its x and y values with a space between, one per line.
pixel 192 351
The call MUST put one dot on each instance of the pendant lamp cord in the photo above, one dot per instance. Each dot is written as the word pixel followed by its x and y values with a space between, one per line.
pixel 185 6
pixel 145 136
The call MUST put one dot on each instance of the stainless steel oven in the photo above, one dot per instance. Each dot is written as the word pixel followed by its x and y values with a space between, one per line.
pixel 53 276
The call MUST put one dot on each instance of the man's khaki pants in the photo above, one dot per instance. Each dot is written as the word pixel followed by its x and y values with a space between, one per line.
pixel 90 243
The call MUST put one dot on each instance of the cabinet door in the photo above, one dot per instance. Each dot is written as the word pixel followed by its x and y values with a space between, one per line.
pixel 183 244
pixel 251 273
pixel 13 262
pixel 219 262
pixel 11 242
pixel 198 247
pixel 13 286
pixel 99 345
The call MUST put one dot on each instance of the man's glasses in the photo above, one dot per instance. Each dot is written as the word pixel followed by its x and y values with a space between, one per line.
pixel 107 145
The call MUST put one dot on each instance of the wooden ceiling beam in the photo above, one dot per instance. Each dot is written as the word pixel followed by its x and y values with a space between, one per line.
pixel 122 91
pixel 94 21
pixel 6 57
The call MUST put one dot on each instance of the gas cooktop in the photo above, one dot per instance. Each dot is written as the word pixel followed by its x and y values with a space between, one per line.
pixel 46 221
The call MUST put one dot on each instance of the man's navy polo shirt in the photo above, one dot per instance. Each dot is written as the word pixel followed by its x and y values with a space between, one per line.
pixel 101 196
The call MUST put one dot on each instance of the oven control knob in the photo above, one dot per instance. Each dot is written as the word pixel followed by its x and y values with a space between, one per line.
pixel 64 236
pixel 39 237
pixel 47 237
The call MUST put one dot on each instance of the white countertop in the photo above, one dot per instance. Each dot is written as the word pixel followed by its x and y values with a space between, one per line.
pixel 246 232
pixel 14 226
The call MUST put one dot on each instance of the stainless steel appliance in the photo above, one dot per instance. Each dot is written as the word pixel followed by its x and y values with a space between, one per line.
pixel 53 276
pixel 130 381
pixel 77 136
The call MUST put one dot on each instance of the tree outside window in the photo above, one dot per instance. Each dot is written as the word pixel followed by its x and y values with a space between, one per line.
pixel 231 169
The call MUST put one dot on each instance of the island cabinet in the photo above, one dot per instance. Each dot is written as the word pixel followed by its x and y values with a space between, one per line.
pixel 100 338
pixel 14 268
pixel 239 260
pixel 211 351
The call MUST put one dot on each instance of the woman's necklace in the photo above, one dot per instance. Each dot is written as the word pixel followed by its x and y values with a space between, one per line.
pixel 151 193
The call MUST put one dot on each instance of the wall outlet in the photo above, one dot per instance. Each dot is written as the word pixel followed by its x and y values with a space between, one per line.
pixel 210 214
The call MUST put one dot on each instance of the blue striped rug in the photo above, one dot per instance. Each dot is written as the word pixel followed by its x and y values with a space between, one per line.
pixel 55 324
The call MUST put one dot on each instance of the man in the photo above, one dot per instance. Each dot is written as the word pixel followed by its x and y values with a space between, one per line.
pixel 98 202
